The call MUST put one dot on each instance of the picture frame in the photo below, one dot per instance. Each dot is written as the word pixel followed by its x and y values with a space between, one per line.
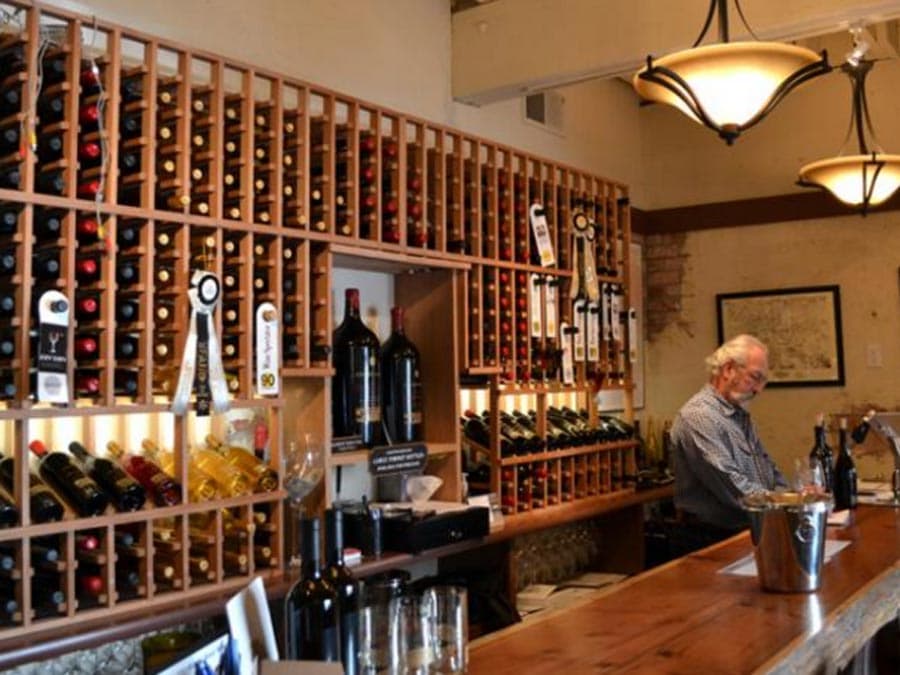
pixel 800 326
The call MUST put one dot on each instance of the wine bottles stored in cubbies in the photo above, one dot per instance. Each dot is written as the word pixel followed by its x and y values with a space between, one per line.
pixel 235 169
pixel 293 158
pixel 391 232
pixel 346 139
pixel 265 150
pixel 321 165
pixel 294 283
pixel 417 227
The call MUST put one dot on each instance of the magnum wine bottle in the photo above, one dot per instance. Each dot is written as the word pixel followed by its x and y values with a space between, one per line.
pixel 126 493
pixel 356 404
pixel 346 586
pixel 821 454
pixel 69 481
pixel 845 488
pixel 401 386
pixel 311 606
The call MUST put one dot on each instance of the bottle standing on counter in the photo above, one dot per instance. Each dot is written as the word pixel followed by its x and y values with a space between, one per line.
pixel 821 454
pixel 356 395
pixel 401 384
pixel 311 606
pixel 346 586
pixel 845 489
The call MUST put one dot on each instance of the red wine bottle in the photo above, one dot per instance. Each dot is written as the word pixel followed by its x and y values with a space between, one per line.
pixel 89 189
pixel 89 116
pixel 87 308
pixel 401 385
pixel 86 347
pixel 69 481
pixel 356 404
pixel 345 586
pixel 90 153
pixel 164 490
pixel 87 383
pixel 311 606
pixel 87 270
pixel 845 479
pixel 822 455
pixel 126 493
pixel 45 507
pixel 86 230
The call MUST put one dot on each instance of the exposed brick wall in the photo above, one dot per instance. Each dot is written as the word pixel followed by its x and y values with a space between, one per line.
pixel 665 261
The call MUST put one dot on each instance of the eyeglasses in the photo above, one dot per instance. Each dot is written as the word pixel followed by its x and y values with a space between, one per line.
pixel 758 376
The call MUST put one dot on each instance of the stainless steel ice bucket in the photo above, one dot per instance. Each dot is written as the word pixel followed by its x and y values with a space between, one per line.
pixel 788 531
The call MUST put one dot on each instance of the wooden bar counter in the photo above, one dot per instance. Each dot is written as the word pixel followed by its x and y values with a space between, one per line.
pixel 686 617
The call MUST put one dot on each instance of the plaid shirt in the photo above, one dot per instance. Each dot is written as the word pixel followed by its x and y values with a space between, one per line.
pixel 718 458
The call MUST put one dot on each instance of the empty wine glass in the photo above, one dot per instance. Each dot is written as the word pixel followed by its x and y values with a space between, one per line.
pixel 303 470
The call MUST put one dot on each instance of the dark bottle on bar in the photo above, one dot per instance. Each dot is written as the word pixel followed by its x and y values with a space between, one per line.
pixel 346 586
pixel 401 384
pixel 311 606
pixel 45 507
pixel 126 493
pixel 356 404
pixel 821 454
pixel 69 481
pixel 845 487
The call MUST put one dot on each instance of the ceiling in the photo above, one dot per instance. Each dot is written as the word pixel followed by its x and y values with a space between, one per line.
pixel 534 45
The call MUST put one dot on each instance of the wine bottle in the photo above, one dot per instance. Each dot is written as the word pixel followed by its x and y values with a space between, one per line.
pixel 9 177
pixel 845 479
pixel 401 385
pixel 45 507
pixel 9 514
pixel 356 391
pixel 50 148
pixel 50 182
pixel 345 586
pixel 311 606
pixel 231 481
pixel 7 304
pixel 126 493
pixel 68 480
pixel 127 310
pixel 821 454
pixel 201 486
pixel 86 347
pixel 87 270
pixel 261 476
pixel 10 101
pixel 125 382
pixel 164 490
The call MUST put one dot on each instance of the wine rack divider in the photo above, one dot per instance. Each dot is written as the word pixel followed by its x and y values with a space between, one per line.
pixel 473 194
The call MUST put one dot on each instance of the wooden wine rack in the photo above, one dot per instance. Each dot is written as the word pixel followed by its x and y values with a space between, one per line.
pixel 269 182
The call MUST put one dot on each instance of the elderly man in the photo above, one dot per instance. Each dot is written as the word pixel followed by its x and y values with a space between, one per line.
pixel 717 453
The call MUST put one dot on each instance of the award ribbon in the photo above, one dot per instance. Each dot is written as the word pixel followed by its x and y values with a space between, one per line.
pixel 201 364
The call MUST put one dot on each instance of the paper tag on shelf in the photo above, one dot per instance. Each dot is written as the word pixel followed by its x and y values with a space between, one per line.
pixel 52 366
pixel 267 344
pixel 542 235
pixel 536 282
pixel 568 367
pixel 579 309
pixel 593 332
pixel 550 308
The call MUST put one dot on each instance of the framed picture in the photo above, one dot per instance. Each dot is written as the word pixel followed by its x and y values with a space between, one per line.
pixel 801 327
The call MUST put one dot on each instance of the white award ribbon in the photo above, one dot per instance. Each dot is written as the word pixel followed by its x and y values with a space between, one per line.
pixel 201 362
pixel 52 364
pixel 568 367
pixel 535 306
pixel 579 310
pixel 267 382
pixel 593 332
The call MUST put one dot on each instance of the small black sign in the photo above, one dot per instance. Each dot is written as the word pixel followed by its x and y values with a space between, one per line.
pixel 388 460
pixel 347 443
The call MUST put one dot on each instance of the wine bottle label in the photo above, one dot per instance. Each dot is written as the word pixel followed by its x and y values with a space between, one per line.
pixel 267 350
pixel 580 312
pixel 593 332
pixel 568 368
pixel 52 367
pixel 542 235
pixel 536 283
pixel 550 310
pixel 201 364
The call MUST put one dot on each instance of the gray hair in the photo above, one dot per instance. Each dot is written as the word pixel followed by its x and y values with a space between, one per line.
pixel 735 350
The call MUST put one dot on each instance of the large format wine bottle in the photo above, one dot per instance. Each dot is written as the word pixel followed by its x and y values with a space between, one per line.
pixel 401 385
pixel 69 481
pixel 311 606
pixel 346 586
pixel 355 398
pixel 127 494
pixel 45 507
pixel 821 454
pixel 845 488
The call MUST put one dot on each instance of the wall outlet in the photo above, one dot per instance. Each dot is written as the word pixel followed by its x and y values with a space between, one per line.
pixel 873 356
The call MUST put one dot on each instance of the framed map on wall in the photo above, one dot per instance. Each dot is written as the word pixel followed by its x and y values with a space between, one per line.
pixel 801 327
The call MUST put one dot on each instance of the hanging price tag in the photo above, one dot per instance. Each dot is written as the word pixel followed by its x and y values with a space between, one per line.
pixel 632 335
pixel 593 332
pixel 616 313
pixel 541 233
pixel 535 306
pixel 580 312
pixel 606 310
pixel 267 382
pixel 53 330
pixel 550 308
pixel 568 366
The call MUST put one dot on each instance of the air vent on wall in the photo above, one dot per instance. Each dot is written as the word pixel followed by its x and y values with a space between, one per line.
pixel 546 109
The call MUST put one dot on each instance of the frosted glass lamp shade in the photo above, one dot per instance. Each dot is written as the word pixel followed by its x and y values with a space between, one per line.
pixel 857 180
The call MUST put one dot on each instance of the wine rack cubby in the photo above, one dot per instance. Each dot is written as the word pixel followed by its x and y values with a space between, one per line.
pixel 128 162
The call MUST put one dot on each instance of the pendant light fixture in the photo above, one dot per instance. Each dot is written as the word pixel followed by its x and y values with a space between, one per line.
pixel 729 86
pixel 869 177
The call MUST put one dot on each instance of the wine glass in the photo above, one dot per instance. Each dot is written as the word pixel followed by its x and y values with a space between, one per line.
pixel 303 470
